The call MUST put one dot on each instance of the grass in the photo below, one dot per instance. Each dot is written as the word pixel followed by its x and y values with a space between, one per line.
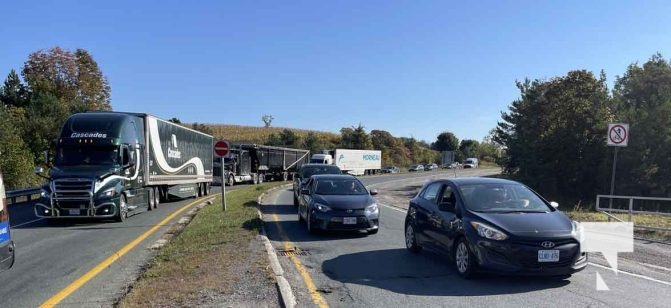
pixel 259 134
pixel 210 256
pixel 657 221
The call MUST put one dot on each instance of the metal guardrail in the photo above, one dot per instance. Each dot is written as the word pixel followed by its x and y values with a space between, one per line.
pixel 27 192
pixel 630 210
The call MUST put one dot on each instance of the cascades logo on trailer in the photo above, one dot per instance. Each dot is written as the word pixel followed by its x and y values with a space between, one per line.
pixel 88 135
pixel 174 153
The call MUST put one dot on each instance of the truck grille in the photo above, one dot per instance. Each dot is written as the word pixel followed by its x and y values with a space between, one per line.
pixel 73 193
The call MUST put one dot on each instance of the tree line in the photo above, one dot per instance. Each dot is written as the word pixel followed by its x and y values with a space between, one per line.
pixel 55 84
pixel 554 134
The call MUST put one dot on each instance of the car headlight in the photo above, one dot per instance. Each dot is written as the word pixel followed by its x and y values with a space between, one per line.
pixel 108 193
pixel 371 208
pixel 488 232
pixel 322 208
pixel 44 193
pixel 578 231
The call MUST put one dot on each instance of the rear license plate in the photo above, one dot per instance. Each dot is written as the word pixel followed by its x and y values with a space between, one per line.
pixel 349 220
pixel 73 212
pixel 548 256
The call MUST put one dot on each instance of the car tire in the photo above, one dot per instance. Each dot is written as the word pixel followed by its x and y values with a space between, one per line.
pixel 464 259
pixel 411 238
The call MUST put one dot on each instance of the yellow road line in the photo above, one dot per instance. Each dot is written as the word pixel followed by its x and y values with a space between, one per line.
pixel 54 300
pixel 312 289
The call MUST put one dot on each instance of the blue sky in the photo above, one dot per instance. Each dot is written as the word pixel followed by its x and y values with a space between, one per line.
pixel 413 68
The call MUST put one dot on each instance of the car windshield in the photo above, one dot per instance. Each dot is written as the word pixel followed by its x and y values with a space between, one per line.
pixel 502 198
pixel 94 155
pixel 326 169
pixel 340 187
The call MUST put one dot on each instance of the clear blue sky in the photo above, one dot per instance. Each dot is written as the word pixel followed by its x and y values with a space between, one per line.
pixel 413 68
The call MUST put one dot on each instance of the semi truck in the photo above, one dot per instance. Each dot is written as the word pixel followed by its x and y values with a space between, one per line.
pixel 252 163
pixel 355 162
pixel 6 243
pixel 110 164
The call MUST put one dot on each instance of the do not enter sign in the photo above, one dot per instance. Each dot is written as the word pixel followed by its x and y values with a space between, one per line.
pixel 221 147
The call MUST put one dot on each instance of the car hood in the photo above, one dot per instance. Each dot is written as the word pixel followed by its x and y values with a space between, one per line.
pixel 344 202
pixel 551 224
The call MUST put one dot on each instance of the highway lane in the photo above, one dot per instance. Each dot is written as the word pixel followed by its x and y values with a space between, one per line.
pixel 351 270
pixel 50 257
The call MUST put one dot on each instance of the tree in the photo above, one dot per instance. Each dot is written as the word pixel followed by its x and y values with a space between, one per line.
pixel 355 138
pixel 643 99
pixel 17 160
pixel 469 148
pixel 73 78
pixel 312 143
pixel 446 141
pixel 13 93
pixel 289 138
pixel 175 120
pixel 554 134
pixel 267 120
pixel 202 128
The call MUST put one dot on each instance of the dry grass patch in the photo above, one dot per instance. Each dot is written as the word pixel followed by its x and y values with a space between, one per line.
pixel 215 259
pixel 657 221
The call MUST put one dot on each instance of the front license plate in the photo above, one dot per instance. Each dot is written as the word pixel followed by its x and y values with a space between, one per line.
pixel 73 212
pixel 548 256
pixel 349 220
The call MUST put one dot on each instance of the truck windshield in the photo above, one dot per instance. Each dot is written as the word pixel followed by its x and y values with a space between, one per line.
pixel 94 155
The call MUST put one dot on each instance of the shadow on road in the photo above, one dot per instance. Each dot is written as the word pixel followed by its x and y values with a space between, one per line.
pixel 424 274
pixel 287 222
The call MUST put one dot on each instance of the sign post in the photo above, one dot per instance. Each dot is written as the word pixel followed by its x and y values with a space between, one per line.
pixel 618 136
pixel 221 148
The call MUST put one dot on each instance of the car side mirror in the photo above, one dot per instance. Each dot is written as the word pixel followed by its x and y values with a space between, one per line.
pixel 305 191
pixel 446 207
pixel 373 192
pixel 554 204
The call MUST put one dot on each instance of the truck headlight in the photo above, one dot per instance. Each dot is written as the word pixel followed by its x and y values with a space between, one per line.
pixel 488 232
pixel 108 193
pixel 44 193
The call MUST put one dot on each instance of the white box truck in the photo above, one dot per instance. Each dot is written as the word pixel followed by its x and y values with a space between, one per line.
pixel 355 162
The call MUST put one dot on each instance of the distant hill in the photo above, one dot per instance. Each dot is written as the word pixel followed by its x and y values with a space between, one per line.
pixel 260 134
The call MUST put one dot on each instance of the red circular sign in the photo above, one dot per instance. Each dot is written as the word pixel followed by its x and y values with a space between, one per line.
pixel 617 134
pixel 221 147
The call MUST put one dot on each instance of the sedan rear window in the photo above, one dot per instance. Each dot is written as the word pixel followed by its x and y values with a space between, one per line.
pixel 340 187
pixel 307 172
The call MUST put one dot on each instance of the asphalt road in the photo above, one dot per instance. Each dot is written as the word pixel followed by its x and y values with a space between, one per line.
pixel 352 270
pixel 49 258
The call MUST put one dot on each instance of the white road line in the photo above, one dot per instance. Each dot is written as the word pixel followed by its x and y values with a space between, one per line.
pixel 632 274
pixel 25 223
pixel 656 266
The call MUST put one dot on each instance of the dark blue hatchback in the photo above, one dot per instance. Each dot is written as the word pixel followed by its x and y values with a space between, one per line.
pixel 494 225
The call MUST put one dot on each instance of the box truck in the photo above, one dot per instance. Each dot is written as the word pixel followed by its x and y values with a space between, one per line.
pixel 252 163
pixel 110 164
pixel 355 162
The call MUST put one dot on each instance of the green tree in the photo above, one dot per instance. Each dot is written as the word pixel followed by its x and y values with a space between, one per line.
pixel 289 138
pixel 175 120
pixel 312 143
pixel 554 134
pixel 469 148
pixel 446 141
pixel 13 93
pixel 17 160
pixel 356 138
pixel 643 99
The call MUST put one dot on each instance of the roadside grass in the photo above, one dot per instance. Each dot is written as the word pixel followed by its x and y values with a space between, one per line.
pixel 209 258
pixel 656 221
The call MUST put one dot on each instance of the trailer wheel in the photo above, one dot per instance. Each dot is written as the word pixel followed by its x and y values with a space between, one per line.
pixel 231 181
pixel 207 189
pixel 200 189
pixel 157 197
pixel 150 199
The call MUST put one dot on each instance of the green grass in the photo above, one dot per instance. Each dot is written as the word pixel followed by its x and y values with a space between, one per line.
pixel 206 256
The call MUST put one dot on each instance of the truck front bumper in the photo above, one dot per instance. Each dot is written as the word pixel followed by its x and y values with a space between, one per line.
pixel 106 209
